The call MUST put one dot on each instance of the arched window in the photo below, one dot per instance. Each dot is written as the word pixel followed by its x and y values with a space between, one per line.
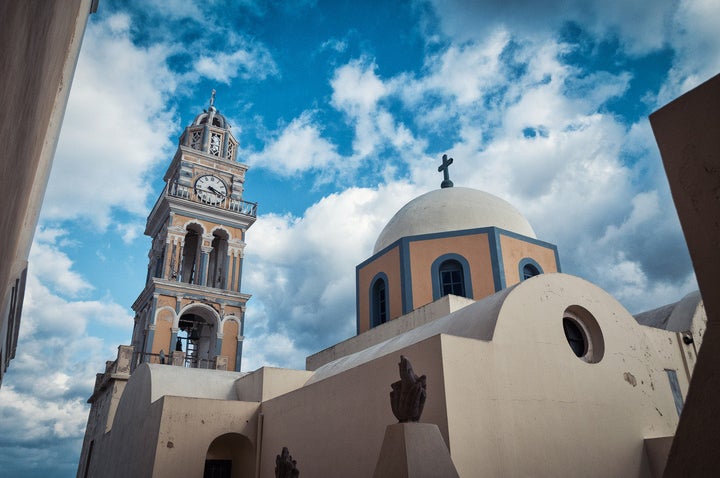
pixel 451 275
pixel 218 264
pixel 529 268
pixel 190 256
pixel 159 264
pixel 379 301
pixel 451 278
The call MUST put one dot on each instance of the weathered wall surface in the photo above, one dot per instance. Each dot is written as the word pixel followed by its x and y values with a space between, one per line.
pixel 40 46
pixel 686 131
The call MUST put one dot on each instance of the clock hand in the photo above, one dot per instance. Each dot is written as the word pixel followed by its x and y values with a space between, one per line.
pixel 215 191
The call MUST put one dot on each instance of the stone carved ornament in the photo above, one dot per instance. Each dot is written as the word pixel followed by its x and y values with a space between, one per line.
pixel 408 395
pixel 285 466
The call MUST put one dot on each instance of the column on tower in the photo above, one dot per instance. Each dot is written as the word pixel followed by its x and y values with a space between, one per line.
pixel 217 267
pixel 173 246
pixel 205 250
pixel 235 252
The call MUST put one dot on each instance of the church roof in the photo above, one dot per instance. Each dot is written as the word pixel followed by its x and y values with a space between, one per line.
pixel 476 321
pixel 452 209
pixel 211 116
pixel 675 317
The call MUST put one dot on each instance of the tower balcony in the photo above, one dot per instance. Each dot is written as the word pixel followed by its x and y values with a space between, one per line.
pixel 183 197
pixel 177 190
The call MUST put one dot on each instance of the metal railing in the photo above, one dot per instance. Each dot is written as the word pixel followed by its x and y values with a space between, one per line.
pixel 176 190
pixel 174 358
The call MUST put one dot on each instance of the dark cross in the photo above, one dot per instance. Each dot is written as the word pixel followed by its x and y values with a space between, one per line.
pixel 446 173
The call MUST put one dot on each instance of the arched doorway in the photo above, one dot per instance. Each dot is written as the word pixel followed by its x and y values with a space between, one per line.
pixel 197 336
pixel 231 455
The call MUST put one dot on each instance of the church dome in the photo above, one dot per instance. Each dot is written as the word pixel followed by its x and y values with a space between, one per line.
pixel 213 117
pixel 452 209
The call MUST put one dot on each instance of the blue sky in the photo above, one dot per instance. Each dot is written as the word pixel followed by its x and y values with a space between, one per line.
pixel 343 111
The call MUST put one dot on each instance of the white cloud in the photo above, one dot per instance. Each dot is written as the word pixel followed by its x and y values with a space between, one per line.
pixel 463 72
pixel 300 272
pixel 130 232
pixel 53 265
pixel 116 127
pixel 298 147
pixel 356 87
pixel 640 27
pixel 248 61
pixel 697 49
pixel 334 44
pixel 43 409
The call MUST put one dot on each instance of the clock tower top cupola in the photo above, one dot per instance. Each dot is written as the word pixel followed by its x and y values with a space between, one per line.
pixel 210 134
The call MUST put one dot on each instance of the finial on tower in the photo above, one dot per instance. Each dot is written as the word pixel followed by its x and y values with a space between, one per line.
pixel 446 162
pixel 212 99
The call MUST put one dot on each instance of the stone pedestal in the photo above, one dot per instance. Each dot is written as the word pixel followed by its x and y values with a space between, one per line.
pixel 221 363
pixel 414 450
pixel 177 358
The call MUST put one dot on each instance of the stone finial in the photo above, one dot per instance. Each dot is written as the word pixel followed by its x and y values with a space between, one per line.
pixel 285 466
pixel 408 395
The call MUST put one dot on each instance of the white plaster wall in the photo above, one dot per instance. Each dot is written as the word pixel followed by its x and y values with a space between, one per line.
pixel 189 425
pixel 440 308
pixel 525 405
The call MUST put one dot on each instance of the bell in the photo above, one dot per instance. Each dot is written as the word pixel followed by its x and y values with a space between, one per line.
pixel 194 335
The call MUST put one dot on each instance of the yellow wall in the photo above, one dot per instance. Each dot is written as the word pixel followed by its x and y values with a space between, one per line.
pixel 229 343
pixel 161 340
pixel 166 301
pixel 474 248
pixel 180 220
pixel 389 263
pixel 514 250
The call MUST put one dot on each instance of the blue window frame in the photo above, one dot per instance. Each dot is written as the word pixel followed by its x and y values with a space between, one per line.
pixel 529 268
pixel 379 300
pixel 451 275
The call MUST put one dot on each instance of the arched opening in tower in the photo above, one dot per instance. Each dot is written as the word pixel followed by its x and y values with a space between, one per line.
pixel 218 263
pixel 191 254
pixel 197 338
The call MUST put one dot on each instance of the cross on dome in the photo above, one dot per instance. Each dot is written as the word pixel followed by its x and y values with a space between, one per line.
pixel 444 167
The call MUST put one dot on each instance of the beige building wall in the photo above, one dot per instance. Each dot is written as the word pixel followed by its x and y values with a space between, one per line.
pixel 207 226
pixel 509 395
pixel 230 343
pixel 525 405
pixel 389 263
pixel 517 403
pixel 686 131
pixel 335 427
pixel 40 47
pixel 474 248
pixel 514 250
pixel 188 426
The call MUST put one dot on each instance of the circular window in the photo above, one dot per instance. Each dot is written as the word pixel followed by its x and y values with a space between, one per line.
pixel 583 334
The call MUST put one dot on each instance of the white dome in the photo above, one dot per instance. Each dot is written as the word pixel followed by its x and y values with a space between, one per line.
pixel 452 209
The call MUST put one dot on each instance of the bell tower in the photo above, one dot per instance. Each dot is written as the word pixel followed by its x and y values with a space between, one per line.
pixel 191 311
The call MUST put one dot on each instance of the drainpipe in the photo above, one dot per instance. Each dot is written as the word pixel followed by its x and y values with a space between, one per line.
pixel 258 447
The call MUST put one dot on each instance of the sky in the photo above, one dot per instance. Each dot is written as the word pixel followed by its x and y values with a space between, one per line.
pixel 343 110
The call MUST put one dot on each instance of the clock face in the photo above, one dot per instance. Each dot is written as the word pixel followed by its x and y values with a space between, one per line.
pixel 210 189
